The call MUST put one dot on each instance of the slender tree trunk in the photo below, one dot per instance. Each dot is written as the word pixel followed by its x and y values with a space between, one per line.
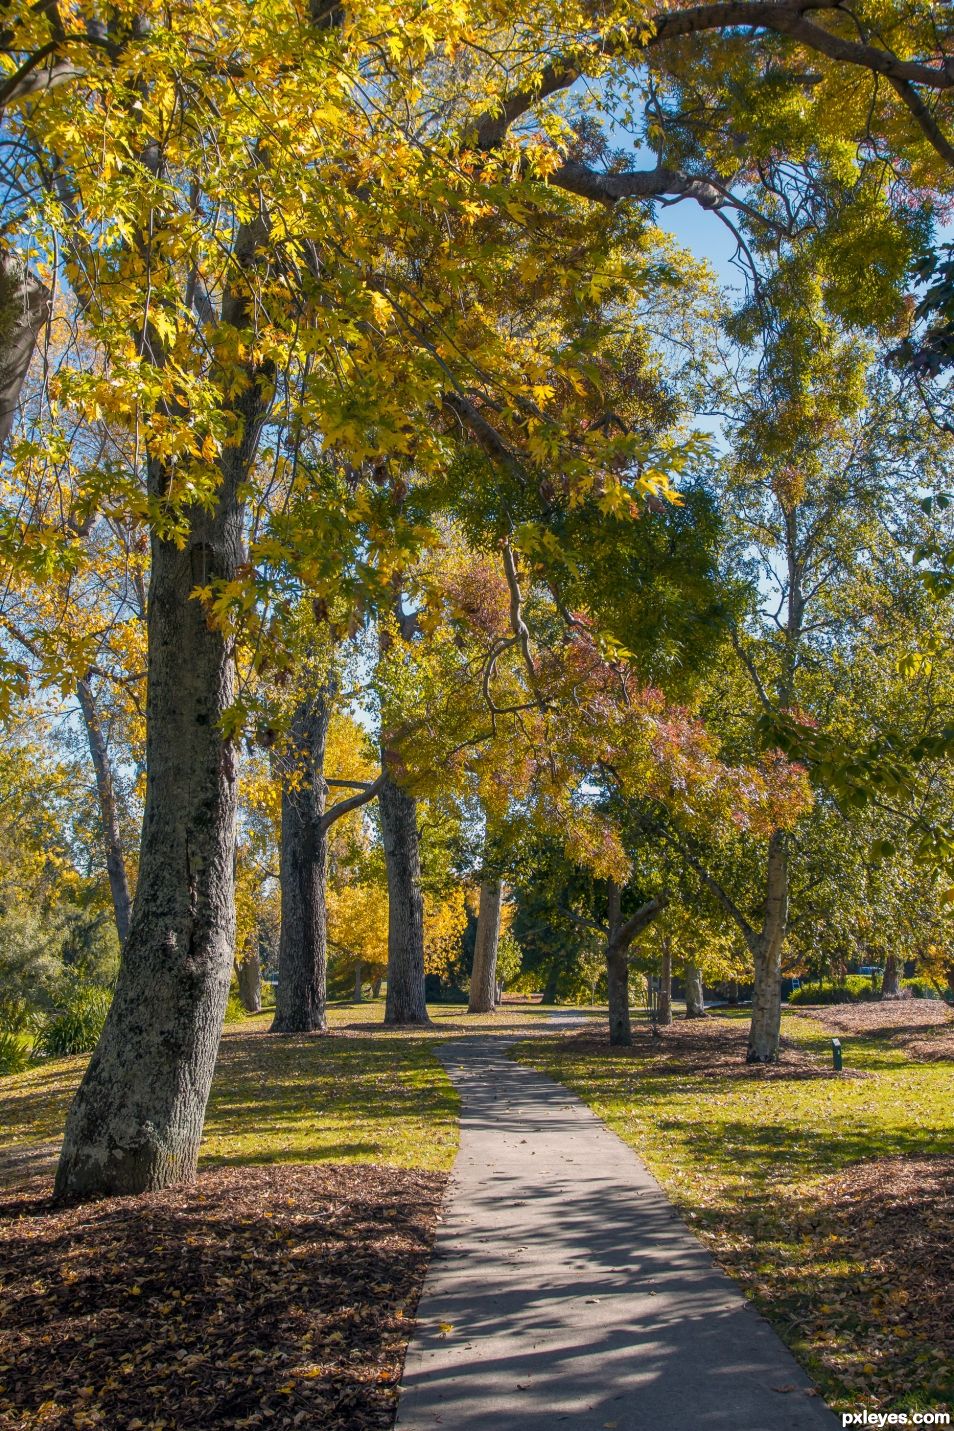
pixel 358 982
pixel 766 949
pixel 108 813
pixel 24 312
pixel 617 974
pixel 665 985
pixel 136 1121
pixel 891 980
pixel 301 995
pixel 695 1004
pixel 483 979
pixel 250 979
pixel 550 987
pixel 376 986
pixel 405 1003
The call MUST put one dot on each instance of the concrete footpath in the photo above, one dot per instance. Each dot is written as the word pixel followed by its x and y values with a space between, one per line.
pixel 566 1292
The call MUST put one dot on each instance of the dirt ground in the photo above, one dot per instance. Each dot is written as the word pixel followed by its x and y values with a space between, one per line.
pixel 712 1047
pixel 279 1296
pixel 922 1028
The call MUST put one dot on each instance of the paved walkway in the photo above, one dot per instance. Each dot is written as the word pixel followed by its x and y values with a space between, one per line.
pixel 565 1292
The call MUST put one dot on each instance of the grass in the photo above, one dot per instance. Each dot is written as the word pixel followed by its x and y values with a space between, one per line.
pixel 365 1094
pixel 754 1163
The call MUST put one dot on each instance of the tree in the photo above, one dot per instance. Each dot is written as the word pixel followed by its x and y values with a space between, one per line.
pixel 483 978
pixel 206 251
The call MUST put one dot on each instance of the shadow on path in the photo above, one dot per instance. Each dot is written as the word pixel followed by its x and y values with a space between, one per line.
pixel 565 1291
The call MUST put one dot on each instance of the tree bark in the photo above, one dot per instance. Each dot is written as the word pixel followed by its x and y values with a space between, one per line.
pixel 617 973
pixel 358 982
pixel 405 1002
pixel 483 978
pixel 301 995
pixel 25 306
pixel 766 947
pixel 891 979
pixel 376 986
pixel 665 985
pixel 108 812
pixel 620 935
pixel 695 1004
pixel 136 1121
pixel 250 979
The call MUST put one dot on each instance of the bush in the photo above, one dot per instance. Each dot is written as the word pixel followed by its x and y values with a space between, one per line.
pixel 853 989
pixel 235 1009
pixel 77 1025
pixel 921 988
pixel 14 1053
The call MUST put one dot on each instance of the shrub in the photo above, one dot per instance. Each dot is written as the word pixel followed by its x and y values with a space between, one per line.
pixel 921 988
pixel 853 989
pixel 235 1009
pixel 77 1025
pixel 14 1053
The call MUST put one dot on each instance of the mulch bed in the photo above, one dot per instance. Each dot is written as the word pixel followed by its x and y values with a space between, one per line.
pixel 278 1297
pixel 711 1047
pixel 922 1028
pixel 895 1217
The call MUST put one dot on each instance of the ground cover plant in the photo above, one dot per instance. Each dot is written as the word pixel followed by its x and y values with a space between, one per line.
pixel 829 1197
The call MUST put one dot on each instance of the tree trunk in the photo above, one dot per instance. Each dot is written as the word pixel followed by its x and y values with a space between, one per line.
pixel 550 987
pixel 376 986
pixel 405 1003
pixel 483 979
pixel 24 312
pixel 250 979
pixel 136 1120
pixel 108 813
pixel 891 980
pixel 617 974
pixel 695 1004
pixel 665 985
pixel 301 994
pixel 135 1123
pixel 358 982
pixel 766 949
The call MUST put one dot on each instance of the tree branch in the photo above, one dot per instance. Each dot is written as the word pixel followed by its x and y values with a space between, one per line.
pixel 344 807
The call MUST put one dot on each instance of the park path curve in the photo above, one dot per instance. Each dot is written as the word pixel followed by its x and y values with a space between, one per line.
pixel 565 1292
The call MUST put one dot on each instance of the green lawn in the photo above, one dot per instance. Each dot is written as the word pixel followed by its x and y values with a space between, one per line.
pixel 754 1162
pixel 365 1094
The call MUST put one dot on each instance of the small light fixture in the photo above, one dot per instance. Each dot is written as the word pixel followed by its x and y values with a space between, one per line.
pixel 836 1054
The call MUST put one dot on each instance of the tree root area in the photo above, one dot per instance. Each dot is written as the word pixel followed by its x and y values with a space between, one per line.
pixel 711 1048
pixel 280 1297
pixel 922 1028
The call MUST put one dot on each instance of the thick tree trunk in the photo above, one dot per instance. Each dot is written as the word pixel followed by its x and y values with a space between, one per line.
pixel 550 987
pixel 24 312
pixel 665 985
pixel 358 982
pixel 250 979
pixel 766 949
pixel 483 978
pixel 891 980
pixel 405 1003
pixel 135 1123
pixel 108 813
pixel 300 997
pixel 376 986
pixel 136 1120
pixel 695 1004
pixel 617 974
